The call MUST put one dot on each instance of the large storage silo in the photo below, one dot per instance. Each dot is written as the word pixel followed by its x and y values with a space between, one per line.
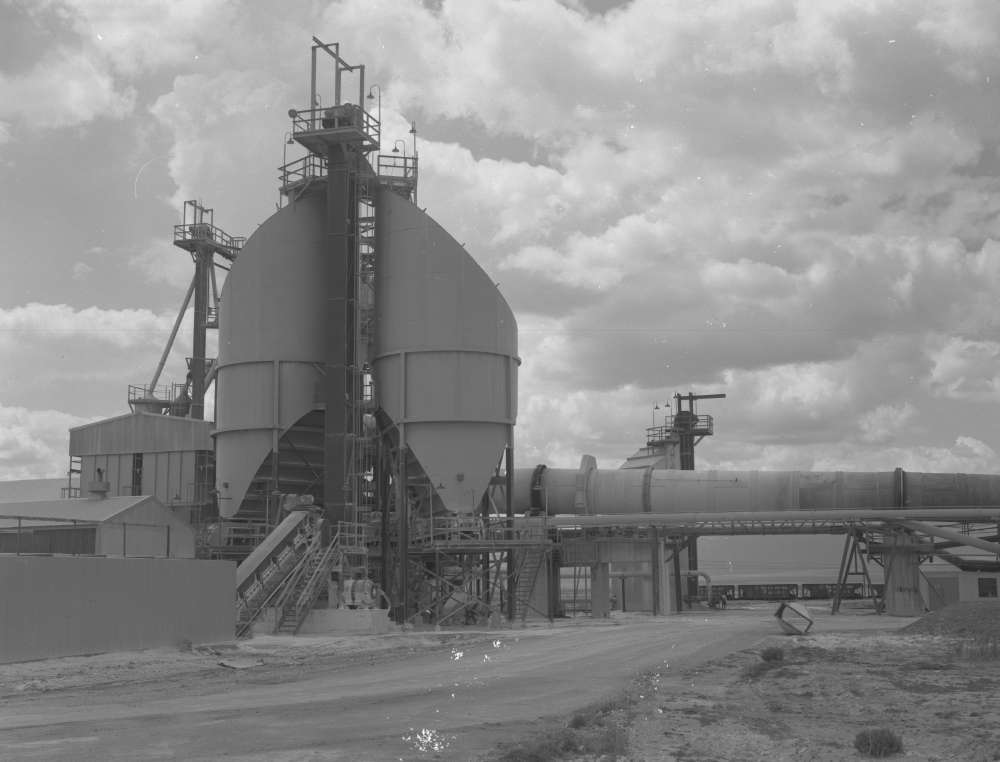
pixel 446 348
pixel 446 352
pixel 271 343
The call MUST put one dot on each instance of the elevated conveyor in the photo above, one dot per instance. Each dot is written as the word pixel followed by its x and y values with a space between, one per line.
pixel 289 571
pixel 263 574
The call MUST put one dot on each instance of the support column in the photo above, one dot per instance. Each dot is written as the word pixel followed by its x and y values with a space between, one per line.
pixel 692 565
pixel 676 583
pixel 339 337
pixel 403 549
pixel 679 583
pixel 902 574
pixel 656 573
pixel 600 590
pixel 202 266
pixel 509 533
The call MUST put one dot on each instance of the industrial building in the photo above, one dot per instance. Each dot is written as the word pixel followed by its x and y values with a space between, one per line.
pixel 116 526
pixel 365 399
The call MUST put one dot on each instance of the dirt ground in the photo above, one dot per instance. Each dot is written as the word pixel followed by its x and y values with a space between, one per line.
pixel 935 683
pixel 680 688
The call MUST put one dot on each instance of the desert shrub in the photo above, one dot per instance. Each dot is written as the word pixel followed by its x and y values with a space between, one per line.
pixel 569 743
pixel 980 648
pixel 759 668
pixel 879 742
pixel 580 720
pixel 772 654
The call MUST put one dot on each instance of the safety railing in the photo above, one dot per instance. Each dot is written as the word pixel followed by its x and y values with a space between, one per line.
pixel 699 425
pixel 391 165
pixel 309 167
pixel 345 118
pixel 190 234
pixel 352 536
pixel 473 529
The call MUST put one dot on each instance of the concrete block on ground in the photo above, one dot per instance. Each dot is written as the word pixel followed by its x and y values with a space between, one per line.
pixel 348 622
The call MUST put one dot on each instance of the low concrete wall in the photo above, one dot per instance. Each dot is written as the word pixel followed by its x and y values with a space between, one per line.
pixel 65 606
pixel 347 621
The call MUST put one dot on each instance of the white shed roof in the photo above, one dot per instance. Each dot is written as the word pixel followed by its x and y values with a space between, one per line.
pixel 88 510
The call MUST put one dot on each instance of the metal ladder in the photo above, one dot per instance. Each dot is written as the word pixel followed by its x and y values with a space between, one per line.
pixel 527 575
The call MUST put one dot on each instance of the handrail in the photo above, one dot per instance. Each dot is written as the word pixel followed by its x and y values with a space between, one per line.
pixel 258 608
pixel 296 573
pixel 342 116
pixel 308 595
pixel 204 232
pixel 309 167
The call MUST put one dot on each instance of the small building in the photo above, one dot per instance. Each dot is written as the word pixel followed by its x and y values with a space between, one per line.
pixel 142 453
pixel 114 526
pixel 942 584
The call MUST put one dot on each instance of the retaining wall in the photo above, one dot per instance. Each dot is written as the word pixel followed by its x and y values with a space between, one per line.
pixel 65 606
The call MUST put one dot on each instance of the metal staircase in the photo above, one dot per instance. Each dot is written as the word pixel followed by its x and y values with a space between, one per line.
pixel 291 569
pixel 260 582
pixel 304 586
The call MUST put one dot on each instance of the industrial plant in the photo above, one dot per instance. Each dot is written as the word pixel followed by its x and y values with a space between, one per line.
pixel 359 471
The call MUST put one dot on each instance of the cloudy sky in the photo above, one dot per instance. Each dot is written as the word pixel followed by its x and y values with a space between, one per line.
pixel 793 203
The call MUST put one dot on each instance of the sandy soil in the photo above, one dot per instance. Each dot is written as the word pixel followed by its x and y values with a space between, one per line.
pixel 458 695
pixel 935 683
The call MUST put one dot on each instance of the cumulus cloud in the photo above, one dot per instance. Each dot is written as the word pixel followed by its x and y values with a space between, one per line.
pixel 66 88
pixel 159 261
pixel 81 270
pixel 964 369
pixel 884 422
pixel 963 455
pixel 34 444
pixel 245 111
pixel 793 203
pixel 123 329
pixel 138 37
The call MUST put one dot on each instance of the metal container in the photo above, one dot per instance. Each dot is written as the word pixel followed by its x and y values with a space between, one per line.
pixel 271 343
pixel 446 352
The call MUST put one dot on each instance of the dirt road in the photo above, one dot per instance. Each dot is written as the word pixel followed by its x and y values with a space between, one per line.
pixel 445 703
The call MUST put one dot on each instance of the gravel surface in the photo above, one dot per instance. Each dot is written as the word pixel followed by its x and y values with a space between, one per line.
pixel 975 619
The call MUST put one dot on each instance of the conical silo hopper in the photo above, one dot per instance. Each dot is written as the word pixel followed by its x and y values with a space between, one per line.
pixel 271 343
pixel 446 352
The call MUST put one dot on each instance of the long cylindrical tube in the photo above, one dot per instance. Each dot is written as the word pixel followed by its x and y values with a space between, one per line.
pixel 591 491
pixel 856 515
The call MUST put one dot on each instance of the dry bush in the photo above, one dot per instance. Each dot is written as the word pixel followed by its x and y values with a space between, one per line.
pixel 772 654
pixel 569 743
pixel 980 648
pixel 879 742
pixel 758 669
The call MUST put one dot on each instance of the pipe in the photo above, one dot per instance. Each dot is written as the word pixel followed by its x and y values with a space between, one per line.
pixel 901 515
pixel 698 573
pixel 950 534
pixel 590 491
